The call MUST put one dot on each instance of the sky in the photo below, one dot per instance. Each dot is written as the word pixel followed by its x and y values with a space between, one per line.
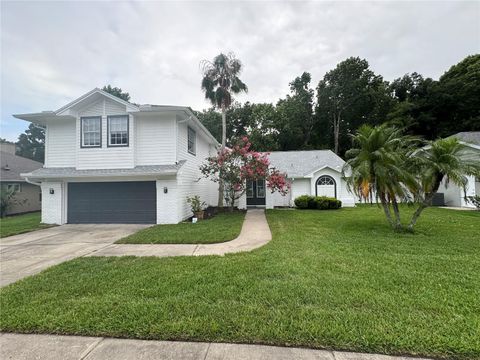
pixel 53 52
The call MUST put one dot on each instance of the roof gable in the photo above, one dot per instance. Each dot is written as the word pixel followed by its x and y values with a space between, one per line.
pixel 305 163
pixel 92 97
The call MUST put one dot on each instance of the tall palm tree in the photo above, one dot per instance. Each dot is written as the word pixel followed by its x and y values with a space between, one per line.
pixel 442 160
pixel 220 81
pixel 375 167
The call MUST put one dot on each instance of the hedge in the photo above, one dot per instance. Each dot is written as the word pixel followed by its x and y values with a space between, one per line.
pixel 317 202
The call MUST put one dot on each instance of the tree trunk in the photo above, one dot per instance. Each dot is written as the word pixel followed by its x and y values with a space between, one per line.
pixel 224 141
pixel 336 131
pixel 425 203
pixel 386 210
pixel 396 211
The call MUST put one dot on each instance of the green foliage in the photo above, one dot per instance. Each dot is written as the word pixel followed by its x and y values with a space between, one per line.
pixel 351 95
pixel 7 199
pixel 348 96
pixel 220 79
pixel 302 201
pixel 389 165
pixel 317 202
pixel 295 122
pixel 475 200
pixel 196 204
pixel 31 144
pixel 118 92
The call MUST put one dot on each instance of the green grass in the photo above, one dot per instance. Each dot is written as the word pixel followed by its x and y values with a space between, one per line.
pixel 328 279
pixel 222 227
pixel 18 224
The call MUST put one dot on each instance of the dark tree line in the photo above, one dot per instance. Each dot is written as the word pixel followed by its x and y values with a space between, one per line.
pixel 351 95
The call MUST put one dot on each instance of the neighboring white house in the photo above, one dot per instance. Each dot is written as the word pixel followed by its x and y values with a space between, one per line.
pixel 311 172
pixel 110 161
pixel 454 196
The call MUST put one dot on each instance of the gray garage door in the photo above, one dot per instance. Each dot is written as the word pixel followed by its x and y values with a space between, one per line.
pixel 112 202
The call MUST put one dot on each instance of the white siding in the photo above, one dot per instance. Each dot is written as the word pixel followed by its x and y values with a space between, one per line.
pixel 167 203
pixel 343 194
pixel 60 143
pixel 155 139
pixel 189 179
pixel 103 106
pixel 300 187
pixel 105 157
pixel 52 204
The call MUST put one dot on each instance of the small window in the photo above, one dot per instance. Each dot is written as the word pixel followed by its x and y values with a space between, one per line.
pixel 118 130
pixel 260 188
pixel 14 187
pixel 40 196
pixel 91 131
pixel 250 189
pixel 191 141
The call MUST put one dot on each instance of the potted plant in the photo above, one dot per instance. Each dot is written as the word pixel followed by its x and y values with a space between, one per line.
pixel 197 206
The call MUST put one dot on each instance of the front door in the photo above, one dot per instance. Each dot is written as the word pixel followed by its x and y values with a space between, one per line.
pixel 256 192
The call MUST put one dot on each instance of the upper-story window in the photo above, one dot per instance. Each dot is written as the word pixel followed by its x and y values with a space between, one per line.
pixel 192 139
pixel 91 131
pixel 118 130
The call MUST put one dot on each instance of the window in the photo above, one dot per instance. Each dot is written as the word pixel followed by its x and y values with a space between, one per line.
pixel 325 180
pixel 118 130
pixel 14 187
pixel 260 188
pixel 191 141
pixel 326 186
pixel 91 131
pixel 249 189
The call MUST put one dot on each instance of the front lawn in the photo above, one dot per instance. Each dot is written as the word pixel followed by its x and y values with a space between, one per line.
pixel 18 224
pixel 329 279
pixel 220 228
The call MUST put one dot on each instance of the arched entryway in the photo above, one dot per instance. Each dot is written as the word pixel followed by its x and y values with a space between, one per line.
pixel 326 186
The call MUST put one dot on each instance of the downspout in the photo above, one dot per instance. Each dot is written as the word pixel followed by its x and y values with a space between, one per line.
pixel 32 182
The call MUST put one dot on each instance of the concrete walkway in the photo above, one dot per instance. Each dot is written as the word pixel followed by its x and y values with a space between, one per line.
pixel 27 254
pixel 53 347
pixel 255 233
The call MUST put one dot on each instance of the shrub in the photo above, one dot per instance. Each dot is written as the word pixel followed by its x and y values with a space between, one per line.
pixel 302 201
pixel 317 202
pixel 475 200
pixel 322 203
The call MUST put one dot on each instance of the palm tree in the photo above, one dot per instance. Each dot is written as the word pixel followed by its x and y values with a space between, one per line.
pixel 375 167
pixel 220 81
pixel 442 160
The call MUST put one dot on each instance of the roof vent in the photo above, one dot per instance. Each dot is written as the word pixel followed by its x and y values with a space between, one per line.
pixel 6 167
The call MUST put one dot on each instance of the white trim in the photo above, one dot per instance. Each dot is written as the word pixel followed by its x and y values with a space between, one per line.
pixel 310 175
pixel 130 107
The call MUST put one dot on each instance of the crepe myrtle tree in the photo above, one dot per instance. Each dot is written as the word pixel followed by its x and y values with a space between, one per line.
pixel 235 166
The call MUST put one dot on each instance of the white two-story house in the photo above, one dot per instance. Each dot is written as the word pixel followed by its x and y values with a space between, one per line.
pixel 110 161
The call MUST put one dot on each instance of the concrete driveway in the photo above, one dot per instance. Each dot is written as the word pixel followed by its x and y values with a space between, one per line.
pixel 27 254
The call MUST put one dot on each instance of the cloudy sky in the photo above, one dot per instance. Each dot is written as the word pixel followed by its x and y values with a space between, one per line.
pixel 53 52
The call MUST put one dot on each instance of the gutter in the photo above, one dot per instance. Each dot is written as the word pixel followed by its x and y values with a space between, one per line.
pixel 32 182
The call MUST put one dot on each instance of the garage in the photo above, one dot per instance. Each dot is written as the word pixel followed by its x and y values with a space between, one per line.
pixel 132 202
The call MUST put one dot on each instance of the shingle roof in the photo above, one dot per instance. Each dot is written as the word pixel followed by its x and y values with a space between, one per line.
pixel 301 163
pixel 16 165
pixel 472 137
pixel 70 172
